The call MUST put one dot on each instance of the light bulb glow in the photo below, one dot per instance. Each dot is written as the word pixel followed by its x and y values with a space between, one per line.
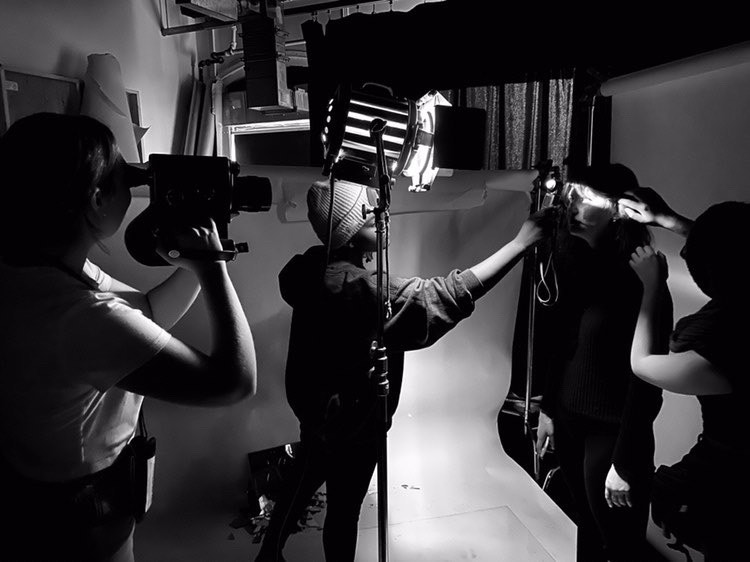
pixel 419 166
pixel 577 192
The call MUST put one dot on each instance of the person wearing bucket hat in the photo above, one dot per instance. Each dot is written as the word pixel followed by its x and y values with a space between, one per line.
pixel 595 413
pixel 348 218
pixel 333 324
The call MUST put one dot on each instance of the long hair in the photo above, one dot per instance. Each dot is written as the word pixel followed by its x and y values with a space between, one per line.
pixel 623 235
pixel 50 164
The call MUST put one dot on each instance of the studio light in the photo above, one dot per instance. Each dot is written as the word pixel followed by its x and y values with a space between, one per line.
pixel 409 138
pixel 574 192
pixel 552 187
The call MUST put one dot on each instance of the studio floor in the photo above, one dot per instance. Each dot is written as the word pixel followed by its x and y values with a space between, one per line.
pixel 485 535
pixel 441 509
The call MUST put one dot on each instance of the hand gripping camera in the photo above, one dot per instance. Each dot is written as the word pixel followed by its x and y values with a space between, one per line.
pixel 186 191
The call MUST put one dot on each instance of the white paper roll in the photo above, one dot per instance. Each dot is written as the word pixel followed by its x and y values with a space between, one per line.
pixel 104 98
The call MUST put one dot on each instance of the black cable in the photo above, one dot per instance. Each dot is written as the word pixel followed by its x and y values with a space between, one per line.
pixel 330 221
pixel 388 311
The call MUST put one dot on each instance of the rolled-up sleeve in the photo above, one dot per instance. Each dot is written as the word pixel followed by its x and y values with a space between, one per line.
pixel 424 310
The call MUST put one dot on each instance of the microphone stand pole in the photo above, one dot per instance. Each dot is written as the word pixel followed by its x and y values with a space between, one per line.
pixel 379 370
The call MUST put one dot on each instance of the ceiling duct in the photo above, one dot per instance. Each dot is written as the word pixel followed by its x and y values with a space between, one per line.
pixel 265 60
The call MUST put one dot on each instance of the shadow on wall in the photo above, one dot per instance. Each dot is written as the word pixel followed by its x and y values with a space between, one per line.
pixel 205 450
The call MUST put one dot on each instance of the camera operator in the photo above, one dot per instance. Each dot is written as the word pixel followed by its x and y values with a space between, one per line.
pixel 79 350
pixel 706 358
pixel 334 322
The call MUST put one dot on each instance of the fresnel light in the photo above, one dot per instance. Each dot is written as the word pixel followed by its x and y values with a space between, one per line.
pixel 409 137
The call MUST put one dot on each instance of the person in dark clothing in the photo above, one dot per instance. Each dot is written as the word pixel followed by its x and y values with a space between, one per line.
pixel 333 326
pixel 705 359
pixel 595 413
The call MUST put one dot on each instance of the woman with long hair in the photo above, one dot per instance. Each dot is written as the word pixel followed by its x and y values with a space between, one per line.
pixel 595 413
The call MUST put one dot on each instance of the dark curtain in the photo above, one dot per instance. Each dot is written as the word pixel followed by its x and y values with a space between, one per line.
pixel 526 122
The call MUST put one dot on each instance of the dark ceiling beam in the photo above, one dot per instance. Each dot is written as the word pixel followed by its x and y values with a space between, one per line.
pixel 325 6
pixel 307 9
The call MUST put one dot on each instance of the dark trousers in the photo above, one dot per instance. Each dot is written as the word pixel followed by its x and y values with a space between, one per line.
pixel 584 448
pixel 86 520
pixel 346 469
pixel 714 470
pixel 725 525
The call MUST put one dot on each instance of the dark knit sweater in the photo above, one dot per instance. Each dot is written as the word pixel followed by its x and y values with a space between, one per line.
pixel 589 333
pixel 334 322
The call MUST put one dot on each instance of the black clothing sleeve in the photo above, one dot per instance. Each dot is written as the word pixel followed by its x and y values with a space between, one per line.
pixel 423 310
pixel 635 445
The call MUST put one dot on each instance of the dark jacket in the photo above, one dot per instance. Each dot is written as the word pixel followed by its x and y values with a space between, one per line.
pixel 588 334
pixel 334 323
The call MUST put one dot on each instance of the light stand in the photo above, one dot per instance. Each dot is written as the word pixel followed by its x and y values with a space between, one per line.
pixel 379 370
pixel 533 258
pixel 543 195
pixel 369 139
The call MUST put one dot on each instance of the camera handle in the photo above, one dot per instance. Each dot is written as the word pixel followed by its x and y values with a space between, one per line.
pixel 229 253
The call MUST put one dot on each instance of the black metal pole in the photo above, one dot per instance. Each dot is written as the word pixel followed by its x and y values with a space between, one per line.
pixel 536 204
pixel 534 258
pixel 379 353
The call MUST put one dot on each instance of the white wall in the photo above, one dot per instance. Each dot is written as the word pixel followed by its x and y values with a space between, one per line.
pixel 50 36
pixel 689 139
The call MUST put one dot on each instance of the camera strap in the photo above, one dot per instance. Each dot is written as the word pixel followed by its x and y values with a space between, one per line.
pixel 142 464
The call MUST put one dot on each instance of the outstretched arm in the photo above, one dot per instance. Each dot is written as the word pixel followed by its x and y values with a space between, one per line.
pixel 426 309
pixel 497 266
pixel 648 207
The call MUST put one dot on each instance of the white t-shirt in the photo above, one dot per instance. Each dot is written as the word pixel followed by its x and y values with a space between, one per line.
pixel 63 348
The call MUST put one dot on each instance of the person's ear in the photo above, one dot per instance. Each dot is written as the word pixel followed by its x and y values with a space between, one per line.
pixel 96 204
pixel 96 198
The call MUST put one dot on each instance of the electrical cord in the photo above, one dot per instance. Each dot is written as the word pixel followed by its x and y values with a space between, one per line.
pixel 330 221
pixel 546 295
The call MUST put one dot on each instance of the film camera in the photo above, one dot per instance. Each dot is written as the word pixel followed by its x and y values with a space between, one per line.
pixel 186 191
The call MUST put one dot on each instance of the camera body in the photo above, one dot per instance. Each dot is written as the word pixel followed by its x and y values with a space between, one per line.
pixel 186 191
